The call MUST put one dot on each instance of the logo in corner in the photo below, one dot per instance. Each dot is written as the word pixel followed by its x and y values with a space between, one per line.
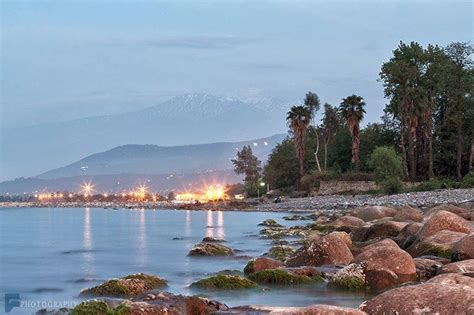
pixel 11 300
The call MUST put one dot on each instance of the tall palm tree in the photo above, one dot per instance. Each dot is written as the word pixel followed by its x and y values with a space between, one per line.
pixel 313 104
pixel 298 119
pixel 352 110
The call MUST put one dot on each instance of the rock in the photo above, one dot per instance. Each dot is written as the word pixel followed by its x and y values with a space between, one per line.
pixel 384 229
pixel 347 223
pixel 407 235
pixel 426 268
pixel 351 277
pixel 386 266
pixel 462 212
pixel 316 309
pixel 373 212
pixel 464 248
pixel 262 263
pixel 465 266
pixel 91 307
pixel 270 223
pixel 295 217
pixel 443 220
pixel 127 286
pixel 209 239
pixel 310 272
pixel 432 297
pixel 407 213
pixel 343 236
pixel 386 242
pixel 325 251
pixel 281 277
pixel 439 244
pixel 453 278
pixel 210 249
pixel 280 252
pixel 360 234
pixel 224 282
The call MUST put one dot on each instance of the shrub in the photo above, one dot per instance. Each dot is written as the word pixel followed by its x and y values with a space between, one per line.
pixel 386 164
pixel 391 185
pixel 468 181
pixel 429 185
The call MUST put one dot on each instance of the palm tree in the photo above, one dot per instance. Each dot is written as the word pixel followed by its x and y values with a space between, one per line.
pixel 352 110
pixel 298 119
pixel 313 104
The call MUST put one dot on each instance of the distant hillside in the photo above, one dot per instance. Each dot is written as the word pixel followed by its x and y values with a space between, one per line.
pixel 170 167
pixel 186 119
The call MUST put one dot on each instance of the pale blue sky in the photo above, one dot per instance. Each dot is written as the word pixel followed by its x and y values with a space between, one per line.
pixel 61 55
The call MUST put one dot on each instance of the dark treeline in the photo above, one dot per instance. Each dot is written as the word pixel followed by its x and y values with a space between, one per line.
pixel 428 121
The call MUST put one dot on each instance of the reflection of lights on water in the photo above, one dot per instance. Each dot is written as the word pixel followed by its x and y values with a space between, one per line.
pixel 141 255
pixel 210 224
pixel 87 239
pixel 220 224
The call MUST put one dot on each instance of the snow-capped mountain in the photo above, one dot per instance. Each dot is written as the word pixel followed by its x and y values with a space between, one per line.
pixel 182 120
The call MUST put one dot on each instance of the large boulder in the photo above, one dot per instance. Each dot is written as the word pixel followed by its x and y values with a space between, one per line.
pixel 128 286
pixel 351 277
pixel 426 268
pixel 262 263
pixel 328 250
pixel 460 211
pixel 465 266
pixel 344 236
pixel 280 252
pixel 270 223
pixel 347 223
pixel 439 244
pixel 408 213
pixel 317 309
pixel 373 244
pixel 407 235
pixel 281 277
pixel 443 220
pixel 224 282
pixel 386 266
pixel 464 248
pixel 450 295
pixel 373 212
pixel 383 229
pixel 210 249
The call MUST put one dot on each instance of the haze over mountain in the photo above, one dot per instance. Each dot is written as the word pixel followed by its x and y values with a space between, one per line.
pixel 182 120
pixel 159 167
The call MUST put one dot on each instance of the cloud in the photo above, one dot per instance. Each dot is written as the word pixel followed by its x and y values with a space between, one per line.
pixel 264 66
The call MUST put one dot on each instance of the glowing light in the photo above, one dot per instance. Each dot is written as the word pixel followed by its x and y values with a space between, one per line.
pixel 87 189
pixel 215 192
pixel 262 184
pixel 70 195
pixel 105 195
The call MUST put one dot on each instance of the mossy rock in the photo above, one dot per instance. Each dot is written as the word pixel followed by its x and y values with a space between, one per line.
pixel 270 223
pixel 127 286
pixel 90 307
pixel 96 307
pixel 348 283
pixel 281 277
pixel 325 229
pixel 280 252
pixel 440 251
pixel 250 267
pixel 224 282
pixel 210 249
pixel 153 281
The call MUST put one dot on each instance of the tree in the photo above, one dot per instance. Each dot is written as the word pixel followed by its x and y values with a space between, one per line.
pixel 330 124
pixel 313 104
pixel 298 119
pixel 352 110
pixel 282 168
pixel 249 165
pixel 387 166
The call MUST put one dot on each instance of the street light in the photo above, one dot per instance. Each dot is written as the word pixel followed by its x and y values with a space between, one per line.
pixel 262 184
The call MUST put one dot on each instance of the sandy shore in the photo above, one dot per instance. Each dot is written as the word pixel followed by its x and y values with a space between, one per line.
pixel 331 202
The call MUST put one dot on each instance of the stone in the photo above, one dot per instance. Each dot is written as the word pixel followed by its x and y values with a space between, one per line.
pixel 224 282
pixel 465 266
pixel 351 277
pixel 426 268
pixel 262 263
pixel 407 235
pixel 373 244
pixel 316 309
pixel 460 211
pixel 128 286
pixel 281 277
pixel 210 249
pixel 209 239
pixel 370 213
pixel 439 244
pixel 464 248
pixel 325 251
pixel 407 213
pixel 384 229
pixel 280 252
pixel 270 223
pixel 443 220
pixel 347 223
pixel 345 237
pixel 437 296
pixel 386 266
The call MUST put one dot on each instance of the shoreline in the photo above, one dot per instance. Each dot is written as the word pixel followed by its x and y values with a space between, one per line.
pixel 306 204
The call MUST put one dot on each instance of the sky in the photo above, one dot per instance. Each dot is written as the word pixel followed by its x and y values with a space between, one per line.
pixel 63 59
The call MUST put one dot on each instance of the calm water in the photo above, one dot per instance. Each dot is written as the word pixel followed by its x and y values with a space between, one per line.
pixel 52 254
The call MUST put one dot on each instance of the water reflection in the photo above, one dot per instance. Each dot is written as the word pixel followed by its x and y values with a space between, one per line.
pixel 210 224
pixel 187 226
pixel 220 224
pixel 87 240
pixel 141 249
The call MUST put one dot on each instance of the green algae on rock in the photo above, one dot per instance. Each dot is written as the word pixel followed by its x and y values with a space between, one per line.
pixel 281 277
pixel 224 282
pixel 99 308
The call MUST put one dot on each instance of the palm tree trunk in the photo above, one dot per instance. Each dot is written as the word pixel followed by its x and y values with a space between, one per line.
pixel 471 155
pixel 404 154
pixel 355 148
pixel 459 151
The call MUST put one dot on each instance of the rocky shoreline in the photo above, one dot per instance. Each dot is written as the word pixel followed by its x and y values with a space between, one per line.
pixel 410 260
pixel 329 202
